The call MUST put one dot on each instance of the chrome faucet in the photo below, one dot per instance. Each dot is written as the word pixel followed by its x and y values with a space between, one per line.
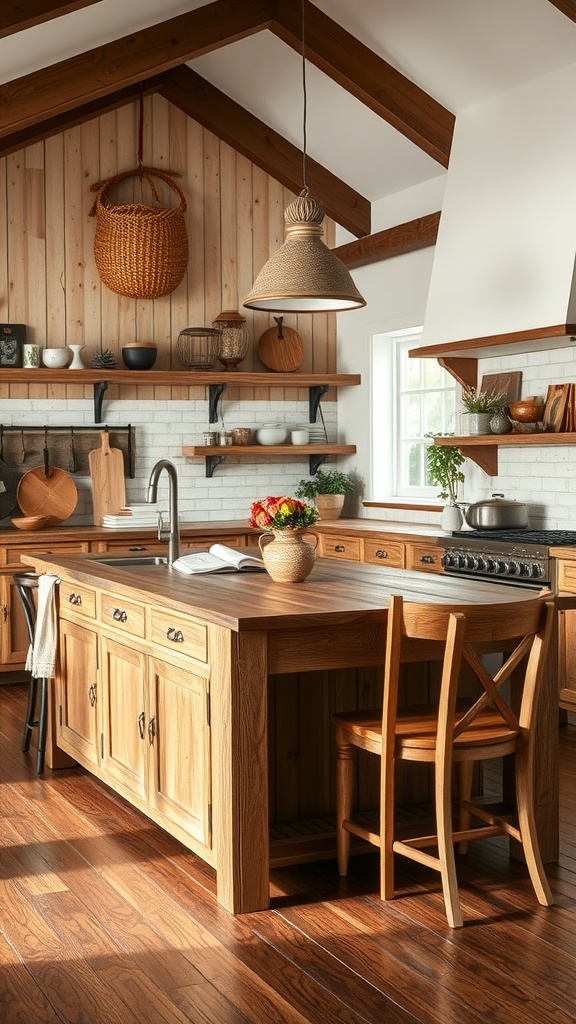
pixel 174 540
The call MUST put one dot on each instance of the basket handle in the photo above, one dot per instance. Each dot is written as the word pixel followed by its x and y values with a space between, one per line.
pixel 102 187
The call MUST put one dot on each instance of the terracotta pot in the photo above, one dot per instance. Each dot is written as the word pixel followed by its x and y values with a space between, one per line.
pixel 288 558
pixel 329 505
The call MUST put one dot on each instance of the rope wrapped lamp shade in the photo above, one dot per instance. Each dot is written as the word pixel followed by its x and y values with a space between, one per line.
pixel 304 276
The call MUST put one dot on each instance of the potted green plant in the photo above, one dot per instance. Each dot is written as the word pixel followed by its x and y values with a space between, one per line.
pixel 444 464
pixel 479 408
pixel 327 491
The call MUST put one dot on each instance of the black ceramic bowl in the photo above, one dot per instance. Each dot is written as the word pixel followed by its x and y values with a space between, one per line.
pixel 139 357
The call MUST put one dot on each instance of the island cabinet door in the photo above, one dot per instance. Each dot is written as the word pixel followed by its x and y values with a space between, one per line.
pixel 123 714
pixel 77 693
pixel 179 739
pixel 14 641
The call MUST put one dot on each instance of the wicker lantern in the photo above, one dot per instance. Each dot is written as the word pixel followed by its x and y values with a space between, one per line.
pixel 235 338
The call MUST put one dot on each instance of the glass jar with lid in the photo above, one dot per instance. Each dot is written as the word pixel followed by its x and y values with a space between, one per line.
pixel 235 338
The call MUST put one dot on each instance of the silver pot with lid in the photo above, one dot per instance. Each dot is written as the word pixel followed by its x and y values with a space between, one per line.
pixel 497 513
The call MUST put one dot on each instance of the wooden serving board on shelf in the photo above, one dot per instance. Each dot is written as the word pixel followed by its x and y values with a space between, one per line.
pixel 107 478
pixel 280 348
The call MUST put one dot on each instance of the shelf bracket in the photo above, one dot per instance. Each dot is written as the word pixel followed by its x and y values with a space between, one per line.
pixel 99 390
pixel 316 393
pixel 464 370
pixel 215 392
pixel 212 461
pixel 484 456
pixel 314 463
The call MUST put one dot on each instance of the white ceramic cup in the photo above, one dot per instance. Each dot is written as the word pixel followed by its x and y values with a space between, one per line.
pixel 300 436
pixel 31 357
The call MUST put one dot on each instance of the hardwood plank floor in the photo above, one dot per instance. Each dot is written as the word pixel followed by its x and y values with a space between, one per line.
pixel 105 919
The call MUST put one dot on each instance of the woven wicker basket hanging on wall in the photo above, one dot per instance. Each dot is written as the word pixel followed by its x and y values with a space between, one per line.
pixel 140 251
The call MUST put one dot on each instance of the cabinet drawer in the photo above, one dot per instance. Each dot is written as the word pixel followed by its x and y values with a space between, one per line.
pixel 14 555
pixel 179 634
pixel 379 552
pixel 77 599
pixel 347 548
pixel 567 576
pixel 122 614
pixel 424 557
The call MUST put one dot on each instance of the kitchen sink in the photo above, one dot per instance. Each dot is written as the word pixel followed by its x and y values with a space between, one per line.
pixel 132 563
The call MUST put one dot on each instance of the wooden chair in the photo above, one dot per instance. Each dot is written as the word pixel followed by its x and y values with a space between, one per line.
pixel 450 733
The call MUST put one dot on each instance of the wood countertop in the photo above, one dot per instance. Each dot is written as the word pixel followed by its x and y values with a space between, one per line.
pixel 334 592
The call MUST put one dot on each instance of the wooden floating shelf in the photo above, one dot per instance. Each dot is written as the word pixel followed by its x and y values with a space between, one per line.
pixel 190 378
pixel 317 453
pixel 483 449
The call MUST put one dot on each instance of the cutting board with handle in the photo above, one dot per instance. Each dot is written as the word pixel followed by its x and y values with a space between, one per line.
pixel 107 478
pixel 280 348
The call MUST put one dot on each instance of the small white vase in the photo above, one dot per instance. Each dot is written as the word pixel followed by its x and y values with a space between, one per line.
pixel 451 518
pixel 76 363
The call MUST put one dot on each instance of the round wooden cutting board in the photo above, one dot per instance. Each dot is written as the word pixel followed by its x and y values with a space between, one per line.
pixel 280 348
pixel 54 495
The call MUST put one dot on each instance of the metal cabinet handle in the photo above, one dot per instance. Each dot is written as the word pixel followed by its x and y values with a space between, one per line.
pixel 92 694
pixel 141 723
pixel 429 559
pixel 4 613
pixel 175 635
pixel 119 615
pixel 340 547
pixel 381 554
pixel 151 730
pixel 75 599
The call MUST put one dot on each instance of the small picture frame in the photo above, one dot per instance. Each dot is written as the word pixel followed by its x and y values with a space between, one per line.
pixel 12 338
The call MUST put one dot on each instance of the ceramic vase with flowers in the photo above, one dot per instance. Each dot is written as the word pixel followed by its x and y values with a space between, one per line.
pixel 287 556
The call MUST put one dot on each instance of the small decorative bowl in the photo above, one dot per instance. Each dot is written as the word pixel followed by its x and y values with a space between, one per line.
pixel 139 355
pixel 525 411
pixel 56 358
pixel 31 522
pixel 271 433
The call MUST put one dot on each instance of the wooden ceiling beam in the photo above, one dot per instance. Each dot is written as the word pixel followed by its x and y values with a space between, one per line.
pixel 259 143
pixel 567 7
pixel 382 245
pixel 368 78
pixel 71 118
pixel 17 15
pixel 106 69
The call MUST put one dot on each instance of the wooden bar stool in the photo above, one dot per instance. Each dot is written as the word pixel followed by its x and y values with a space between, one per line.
pixel 26 583
pixel 451 733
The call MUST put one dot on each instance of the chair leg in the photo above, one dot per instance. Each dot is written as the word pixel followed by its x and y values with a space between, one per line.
pixel 30 713
pixel 464 775
pixel 344 786
pixel 527 823
pixel 446 848
pixel 42 725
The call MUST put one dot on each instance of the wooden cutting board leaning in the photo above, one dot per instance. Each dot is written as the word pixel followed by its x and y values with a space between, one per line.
pixel 107 478
pixel 280 348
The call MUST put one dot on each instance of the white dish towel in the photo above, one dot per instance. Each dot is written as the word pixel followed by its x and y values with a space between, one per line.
pixel 42 653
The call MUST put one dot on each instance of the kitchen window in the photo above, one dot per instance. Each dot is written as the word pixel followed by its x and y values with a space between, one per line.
pixel 411 398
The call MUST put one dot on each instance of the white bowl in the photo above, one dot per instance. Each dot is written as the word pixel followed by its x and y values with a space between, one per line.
pixel 56 358
pixel 271 433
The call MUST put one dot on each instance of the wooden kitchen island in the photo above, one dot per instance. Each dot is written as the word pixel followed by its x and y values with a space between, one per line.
pixel 163 692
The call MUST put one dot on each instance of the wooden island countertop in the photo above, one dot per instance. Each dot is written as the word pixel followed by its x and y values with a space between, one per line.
pixel 256 628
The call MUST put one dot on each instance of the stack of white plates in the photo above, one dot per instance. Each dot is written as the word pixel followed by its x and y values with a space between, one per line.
pixel 133 516
pixel 317 434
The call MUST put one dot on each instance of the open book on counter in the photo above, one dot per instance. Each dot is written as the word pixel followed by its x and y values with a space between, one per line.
pixel 218 558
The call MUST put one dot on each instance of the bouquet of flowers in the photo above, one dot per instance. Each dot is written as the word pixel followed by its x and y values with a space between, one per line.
pixel 282 514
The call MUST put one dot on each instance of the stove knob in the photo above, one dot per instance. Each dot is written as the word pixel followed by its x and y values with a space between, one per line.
pixel 514 568
pixel 524 569
pixel 501 566
pixel 471 562
pixel 447 561
pixel 461 561
pixel 490 565
pixel 536 571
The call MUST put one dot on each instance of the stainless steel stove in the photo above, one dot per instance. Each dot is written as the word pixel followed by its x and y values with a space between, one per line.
pixel 520 557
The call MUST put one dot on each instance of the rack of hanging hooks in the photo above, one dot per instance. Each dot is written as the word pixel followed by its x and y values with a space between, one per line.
pixel 68 447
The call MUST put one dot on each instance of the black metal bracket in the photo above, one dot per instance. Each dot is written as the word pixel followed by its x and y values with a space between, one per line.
pixel 212 461
pixel 314 463
pixel 99 390
pixel 316 394
pixel 215 392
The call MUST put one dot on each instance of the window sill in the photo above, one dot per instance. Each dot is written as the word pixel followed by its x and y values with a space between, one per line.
pixel 408 505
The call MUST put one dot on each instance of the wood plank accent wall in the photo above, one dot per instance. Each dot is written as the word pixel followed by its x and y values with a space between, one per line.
pixel 235 220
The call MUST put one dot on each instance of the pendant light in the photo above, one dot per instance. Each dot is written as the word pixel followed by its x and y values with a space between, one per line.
pixel 304 275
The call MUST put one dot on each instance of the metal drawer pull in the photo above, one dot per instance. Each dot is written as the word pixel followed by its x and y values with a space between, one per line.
pixel 151 730
pixel 340 547
pixel 141 721
pixel 119 615
pixel 381 554
pixel 175 635
pixel 429 559
pixel 75 599
pixel 92 694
